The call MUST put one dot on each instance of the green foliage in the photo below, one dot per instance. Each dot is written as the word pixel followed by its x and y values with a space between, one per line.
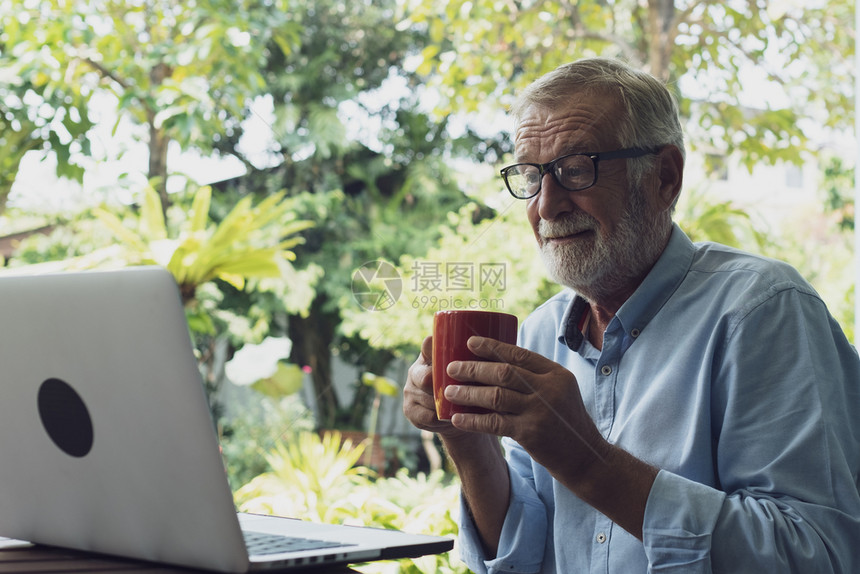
pixel 35 113
pixel 490 264
pixel 710 53
pixel 250 248
pixel 285 381
pixel 363 162
pixel 311 477
pixel 184 70
pixel 252 241
pixel 380 384
pixel 316 479
pixel 839 189
pixel 353 146
pixel 705 219
pixel 73 237
pixel 359 153
pixel 426 504
pixel 252 426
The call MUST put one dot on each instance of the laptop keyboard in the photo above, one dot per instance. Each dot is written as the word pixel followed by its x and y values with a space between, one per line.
pixel 261 543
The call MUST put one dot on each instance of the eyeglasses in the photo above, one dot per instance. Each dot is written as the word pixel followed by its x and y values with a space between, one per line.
pixel 573 172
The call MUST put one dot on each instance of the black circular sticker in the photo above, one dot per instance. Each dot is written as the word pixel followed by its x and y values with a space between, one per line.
pixel 65 417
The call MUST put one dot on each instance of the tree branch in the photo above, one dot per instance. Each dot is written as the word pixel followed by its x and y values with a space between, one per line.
pixel 105 73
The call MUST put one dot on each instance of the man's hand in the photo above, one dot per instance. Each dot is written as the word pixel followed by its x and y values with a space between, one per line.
pixel 477 456
pixel 534 400
pixel 537 402
pixel 419 406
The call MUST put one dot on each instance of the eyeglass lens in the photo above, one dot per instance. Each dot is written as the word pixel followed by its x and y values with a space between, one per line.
pixel 573 172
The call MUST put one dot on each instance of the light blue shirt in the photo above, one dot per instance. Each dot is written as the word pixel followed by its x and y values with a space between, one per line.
pixel 726 371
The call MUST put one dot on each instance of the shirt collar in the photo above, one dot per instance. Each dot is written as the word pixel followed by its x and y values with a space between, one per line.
pixel 634 315
pixel 570 329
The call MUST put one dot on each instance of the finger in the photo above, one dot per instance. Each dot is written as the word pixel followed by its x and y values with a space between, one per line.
pixel 419 406
pixel 420 413
pixel 492 423
pixel 427 350
pixel 415 393
pixel 493 374
pixel 421 371
pixel 426 420
pixel 497 351
pixel 494 398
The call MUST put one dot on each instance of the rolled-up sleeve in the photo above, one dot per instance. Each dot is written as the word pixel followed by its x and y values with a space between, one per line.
pixel 679 523
pixel 691 528
pixel 524 533
pixel 785 448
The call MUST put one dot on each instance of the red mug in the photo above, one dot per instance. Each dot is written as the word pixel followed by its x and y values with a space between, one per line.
pixel 451 330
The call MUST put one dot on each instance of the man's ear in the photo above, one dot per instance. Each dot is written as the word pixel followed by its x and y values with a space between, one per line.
pixel 671 176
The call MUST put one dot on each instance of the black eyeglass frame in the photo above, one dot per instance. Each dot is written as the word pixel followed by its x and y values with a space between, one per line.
pixel 544 168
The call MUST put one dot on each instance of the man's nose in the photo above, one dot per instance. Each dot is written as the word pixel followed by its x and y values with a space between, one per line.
pixel 553 200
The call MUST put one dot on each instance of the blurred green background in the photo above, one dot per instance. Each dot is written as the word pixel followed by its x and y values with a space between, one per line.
pixel 321 176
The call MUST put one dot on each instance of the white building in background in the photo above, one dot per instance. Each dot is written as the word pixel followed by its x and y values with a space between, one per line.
pixel 773 193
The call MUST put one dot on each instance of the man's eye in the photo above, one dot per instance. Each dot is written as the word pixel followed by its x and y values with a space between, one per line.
pixel 532 177
pixel 571 171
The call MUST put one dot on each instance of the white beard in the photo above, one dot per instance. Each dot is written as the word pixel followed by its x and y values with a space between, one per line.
pixel 605 266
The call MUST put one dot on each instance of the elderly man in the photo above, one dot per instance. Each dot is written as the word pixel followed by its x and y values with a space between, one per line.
pixel 681 407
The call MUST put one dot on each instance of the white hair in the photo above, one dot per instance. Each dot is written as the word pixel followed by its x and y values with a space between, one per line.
pixel 652 119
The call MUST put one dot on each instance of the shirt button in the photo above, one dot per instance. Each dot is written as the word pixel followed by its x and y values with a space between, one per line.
pixel 601 538
pixel 606 370
pixel 634 333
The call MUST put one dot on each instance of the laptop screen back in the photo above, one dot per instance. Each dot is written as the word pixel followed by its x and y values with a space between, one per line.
pixel 106 440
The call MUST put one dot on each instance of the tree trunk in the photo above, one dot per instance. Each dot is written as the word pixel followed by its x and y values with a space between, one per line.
pixel 157 175
pixel 18 143
pixel 312 337
pixel 661 35
pixel 158 140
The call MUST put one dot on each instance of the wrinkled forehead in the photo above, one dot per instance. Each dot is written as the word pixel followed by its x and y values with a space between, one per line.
pixel 579 123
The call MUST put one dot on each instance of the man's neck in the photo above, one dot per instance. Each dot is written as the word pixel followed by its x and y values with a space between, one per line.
pixel 601 316
pixel 604 308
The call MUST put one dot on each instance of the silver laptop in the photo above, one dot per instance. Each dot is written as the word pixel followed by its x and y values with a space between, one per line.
pixel 107 443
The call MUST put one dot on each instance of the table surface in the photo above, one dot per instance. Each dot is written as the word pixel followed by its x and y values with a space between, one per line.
pixel 20 557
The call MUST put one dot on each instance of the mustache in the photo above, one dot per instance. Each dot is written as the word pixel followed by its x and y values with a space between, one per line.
pixel 570 224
